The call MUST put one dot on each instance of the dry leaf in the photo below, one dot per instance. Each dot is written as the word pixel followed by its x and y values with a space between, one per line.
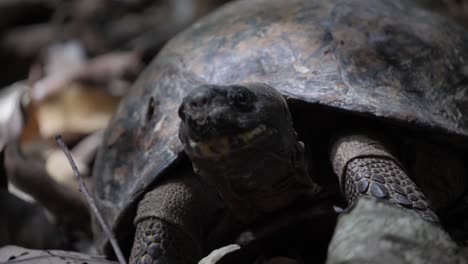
pixel 11 119
pixel 217 254
pixel 63 63
pixel 77 109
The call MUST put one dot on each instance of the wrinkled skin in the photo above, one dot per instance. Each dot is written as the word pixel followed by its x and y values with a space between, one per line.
pixel 242 142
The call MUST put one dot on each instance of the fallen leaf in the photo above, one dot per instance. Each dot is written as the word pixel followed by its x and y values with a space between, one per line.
pixel 78 109
pixel 217 254
pixel 11 119
pixel 63 62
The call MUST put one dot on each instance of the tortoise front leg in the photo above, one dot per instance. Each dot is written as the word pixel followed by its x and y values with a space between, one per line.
pixel 366 167
pixel 157 241
pixel 172 220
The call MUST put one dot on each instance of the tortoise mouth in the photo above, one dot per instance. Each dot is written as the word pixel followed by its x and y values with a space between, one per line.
pixel 220 146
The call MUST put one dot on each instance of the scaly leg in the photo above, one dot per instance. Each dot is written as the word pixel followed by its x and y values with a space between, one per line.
pixel 366 167
pixel 172 220
pixel 157 241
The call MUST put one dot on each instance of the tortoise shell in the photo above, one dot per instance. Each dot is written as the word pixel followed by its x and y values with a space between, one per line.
pixel 385 59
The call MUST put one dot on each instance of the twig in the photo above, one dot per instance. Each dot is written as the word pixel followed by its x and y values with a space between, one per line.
pixel 91 202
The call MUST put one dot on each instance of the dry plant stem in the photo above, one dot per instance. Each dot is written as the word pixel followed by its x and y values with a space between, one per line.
pixel 91 202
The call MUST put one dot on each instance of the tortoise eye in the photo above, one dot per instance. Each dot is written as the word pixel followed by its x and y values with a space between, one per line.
pixel 241 98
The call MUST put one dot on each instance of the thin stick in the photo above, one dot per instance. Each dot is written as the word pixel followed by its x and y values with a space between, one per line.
pixel 91 202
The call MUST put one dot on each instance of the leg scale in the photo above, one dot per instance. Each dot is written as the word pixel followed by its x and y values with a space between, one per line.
pixel 382 178
pixel 157 242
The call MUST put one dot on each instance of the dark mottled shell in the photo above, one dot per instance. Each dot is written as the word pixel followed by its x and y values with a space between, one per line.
pixel 378 58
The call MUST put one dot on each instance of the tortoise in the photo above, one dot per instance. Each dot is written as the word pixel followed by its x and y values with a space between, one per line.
pixel 266 102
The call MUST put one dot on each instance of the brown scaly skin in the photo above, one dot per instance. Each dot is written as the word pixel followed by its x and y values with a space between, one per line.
pixel 157 241
pixel 366 167
pixel 369 167
pixel 241 141
pixel 261 172
pixel 210 115
pixel 162 239
pixel 384 179
pixel 172 218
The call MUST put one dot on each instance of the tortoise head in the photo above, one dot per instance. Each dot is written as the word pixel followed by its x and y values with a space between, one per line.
pixel 241 140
